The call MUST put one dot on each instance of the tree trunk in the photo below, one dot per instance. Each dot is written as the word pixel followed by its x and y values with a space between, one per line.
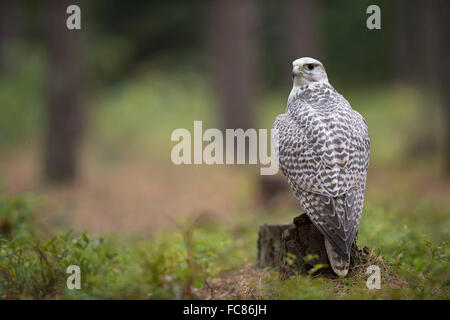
pixel 445 81
pixel 407 47
pixel 65 114
pixel 302 29
pixel 234 59
pixel 10 17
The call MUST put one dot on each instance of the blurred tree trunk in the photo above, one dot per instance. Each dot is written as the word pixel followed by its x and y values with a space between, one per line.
pixel 9 27
pixel 234 59
pixel 407 39
pixel 445 18
pixel 418 49
pixel 65 114
pixel 421 60
pixel 301 28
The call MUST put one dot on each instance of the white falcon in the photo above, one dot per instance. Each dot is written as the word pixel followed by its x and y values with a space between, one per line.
pixel 323 150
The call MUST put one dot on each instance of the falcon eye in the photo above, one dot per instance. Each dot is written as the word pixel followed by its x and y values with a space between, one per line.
pixel 310 66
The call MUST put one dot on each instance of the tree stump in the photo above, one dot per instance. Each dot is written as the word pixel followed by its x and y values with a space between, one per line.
pixel 296 248
pixel 269 244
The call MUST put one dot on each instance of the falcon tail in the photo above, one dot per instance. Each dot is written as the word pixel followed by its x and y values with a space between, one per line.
pixel 339 263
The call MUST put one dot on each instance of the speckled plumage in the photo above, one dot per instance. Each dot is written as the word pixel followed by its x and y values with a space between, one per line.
pixel 323 150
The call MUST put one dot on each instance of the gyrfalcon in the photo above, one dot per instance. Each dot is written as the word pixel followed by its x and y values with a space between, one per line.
pixel 322 146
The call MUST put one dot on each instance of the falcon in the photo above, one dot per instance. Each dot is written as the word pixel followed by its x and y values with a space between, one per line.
pixel 322 146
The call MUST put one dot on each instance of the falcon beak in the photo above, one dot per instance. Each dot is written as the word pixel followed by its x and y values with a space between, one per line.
pixel 296 71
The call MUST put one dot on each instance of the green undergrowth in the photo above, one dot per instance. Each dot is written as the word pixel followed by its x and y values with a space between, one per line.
pixel 177 265
pixel 167 266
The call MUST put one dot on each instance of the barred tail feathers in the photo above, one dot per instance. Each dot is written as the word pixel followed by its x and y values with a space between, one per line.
pixel 339 263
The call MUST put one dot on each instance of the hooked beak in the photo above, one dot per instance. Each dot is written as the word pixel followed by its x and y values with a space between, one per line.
pixel 296 71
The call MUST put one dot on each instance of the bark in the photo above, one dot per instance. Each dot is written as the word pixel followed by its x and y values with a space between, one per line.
pixel 269 244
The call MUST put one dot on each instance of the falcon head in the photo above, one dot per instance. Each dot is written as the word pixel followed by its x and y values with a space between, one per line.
pixel 308 70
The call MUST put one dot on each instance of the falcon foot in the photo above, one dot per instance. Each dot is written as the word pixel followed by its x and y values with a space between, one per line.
pixel 302 220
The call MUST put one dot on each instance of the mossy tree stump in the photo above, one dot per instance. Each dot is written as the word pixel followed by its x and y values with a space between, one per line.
pixel 295 248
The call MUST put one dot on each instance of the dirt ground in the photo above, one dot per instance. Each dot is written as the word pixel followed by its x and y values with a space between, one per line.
pixel 237 284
